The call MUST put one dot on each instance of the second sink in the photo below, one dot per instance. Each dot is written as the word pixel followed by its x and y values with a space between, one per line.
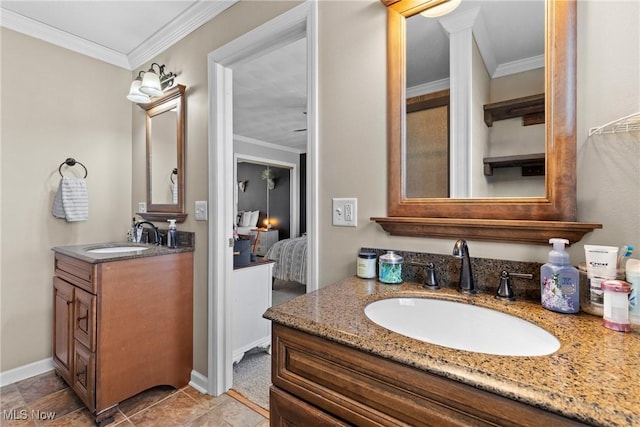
pixel 462 326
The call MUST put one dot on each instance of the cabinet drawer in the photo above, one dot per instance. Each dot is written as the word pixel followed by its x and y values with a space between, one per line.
pixel 79 273
pixel 365 389
pixel 84 374
pixel 287 410
pixel 84 318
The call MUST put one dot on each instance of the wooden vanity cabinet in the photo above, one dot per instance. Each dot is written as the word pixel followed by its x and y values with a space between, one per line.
pixel 121 327
pixel 320 382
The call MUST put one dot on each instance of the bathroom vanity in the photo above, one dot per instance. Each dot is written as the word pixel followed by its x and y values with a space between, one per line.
pixel 123 322
pixel 331 365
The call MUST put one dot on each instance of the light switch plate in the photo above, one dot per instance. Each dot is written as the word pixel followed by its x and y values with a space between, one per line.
pixel 142 207
pixel 201 210
pixel 345 212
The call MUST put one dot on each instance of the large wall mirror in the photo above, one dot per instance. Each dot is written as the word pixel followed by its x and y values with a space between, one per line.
pixel 165 156
pixel 482 106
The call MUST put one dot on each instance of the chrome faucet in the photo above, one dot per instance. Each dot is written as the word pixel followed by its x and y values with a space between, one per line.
pixel 461 250
pixel 138 227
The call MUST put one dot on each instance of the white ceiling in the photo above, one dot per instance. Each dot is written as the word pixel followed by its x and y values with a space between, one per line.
pixel 270 91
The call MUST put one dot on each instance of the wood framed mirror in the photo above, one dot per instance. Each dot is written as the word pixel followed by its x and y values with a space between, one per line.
pixel 514 219
pixel 165 121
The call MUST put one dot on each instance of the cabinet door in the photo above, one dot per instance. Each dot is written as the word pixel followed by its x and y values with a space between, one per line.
pixel 63 328
pixel 84 319
pixel 84 371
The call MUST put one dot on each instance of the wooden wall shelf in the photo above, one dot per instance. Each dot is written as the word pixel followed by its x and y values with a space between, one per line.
pixel 530 108
pixel 531 164
pixel 496 230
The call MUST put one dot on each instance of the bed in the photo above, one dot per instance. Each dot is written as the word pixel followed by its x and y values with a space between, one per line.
pixel 290 256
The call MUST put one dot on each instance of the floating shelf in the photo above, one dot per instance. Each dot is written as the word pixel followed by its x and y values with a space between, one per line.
pixel 511 231
pixel 531 164
pixel 530 108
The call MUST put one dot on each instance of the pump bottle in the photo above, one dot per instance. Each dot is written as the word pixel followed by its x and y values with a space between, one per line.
pixel 559 285
pixel 172 234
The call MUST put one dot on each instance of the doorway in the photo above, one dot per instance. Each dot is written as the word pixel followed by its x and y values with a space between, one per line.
pixel 299 22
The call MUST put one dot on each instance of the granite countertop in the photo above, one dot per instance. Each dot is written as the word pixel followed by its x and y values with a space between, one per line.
pixel 594 376
pixel 80 251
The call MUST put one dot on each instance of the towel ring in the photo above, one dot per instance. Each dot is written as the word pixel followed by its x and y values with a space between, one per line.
pixel 173 172
pixel 72 162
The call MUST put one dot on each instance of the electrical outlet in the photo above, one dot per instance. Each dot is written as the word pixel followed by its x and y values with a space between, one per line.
pixel 345 212
pixel 201 210
pixel 142 207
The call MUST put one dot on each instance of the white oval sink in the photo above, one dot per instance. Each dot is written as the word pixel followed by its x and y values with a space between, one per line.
pixel 117 249
pixel 462 326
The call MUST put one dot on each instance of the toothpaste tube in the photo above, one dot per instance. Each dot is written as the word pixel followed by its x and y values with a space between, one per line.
pixel 601 262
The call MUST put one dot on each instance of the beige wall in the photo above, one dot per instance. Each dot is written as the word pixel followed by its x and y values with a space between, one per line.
pixel 352 159
pixel 55 104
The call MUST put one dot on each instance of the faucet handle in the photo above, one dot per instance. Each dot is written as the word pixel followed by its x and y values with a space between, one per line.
pixel 430 280
pixel 505 291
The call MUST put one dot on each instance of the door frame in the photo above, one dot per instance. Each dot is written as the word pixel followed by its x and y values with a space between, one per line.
pixel 299 22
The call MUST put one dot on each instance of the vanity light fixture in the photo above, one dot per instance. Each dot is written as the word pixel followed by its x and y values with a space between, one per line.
pixel 442 9
pixel 150 84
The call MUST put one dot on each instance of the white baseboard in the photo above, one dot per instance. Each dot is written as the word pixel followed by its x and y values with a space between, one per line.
pixel 199 382
pixel 26 371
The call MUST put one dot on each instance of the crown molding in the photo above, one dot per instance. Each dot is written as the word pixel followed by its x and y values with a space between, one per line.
pixel 38 30
pixel 519 66
pixel 198 14
pixel 430 87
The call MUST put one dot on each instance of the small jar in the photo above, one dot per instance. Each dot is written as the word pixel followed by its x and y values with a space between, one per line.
pixel 616 305
pixel 366 265
pixel 390 268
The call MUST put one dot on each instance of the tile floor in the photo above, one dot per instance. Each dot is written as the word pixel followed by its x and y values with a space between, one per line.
pixel 46 400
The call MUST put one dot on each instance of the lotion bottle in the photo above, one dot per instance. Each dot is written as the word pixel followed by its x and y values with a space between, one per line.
pixel 172 234
pixel 559 284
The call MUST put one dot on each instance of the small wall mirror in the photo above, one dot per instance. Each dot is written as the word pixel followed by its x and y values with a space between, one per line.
pixel 165 156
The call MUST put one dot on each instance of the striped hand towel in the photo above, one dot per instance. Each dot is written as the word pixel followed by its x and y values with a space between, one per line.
pixel 71 200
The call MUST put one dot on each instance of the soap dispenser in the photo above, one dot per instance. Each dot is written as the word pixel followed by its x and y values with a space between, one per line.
pixel 559 285
pixel 172 234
